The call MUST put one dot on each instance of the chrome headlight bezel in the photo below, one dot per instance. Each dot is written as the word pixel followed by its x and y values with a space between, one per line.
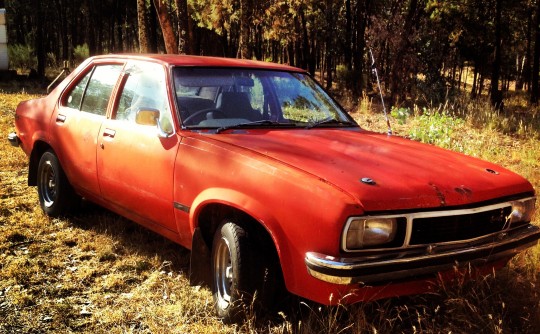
pixel 372 232
pixel 522 211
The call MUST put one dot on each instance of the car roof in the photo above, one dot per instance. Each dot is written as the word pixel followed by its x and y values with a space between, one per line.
pixel 201 61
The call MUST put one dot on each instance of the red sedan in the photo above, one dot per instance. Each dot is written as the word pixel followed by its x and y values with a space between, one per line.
pixel 267 180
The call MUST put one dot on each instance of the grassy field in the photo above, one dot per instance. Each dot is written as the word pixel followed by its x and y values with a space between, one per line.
pixel 99 273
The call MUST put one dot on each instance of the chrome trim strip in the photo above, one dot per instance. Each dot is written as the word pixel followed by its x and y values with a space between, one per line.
pixel 181 207
pixel 361 270
pixel 429 214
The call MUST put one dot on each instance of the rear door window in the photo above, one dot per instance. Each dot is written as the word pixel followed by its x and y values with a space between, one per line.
pixel 93 92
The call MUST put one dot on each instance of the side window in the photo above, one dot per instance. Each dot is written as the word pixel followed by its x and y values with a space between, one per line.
pixel 145 89
pixel 98 91
pixel 75 96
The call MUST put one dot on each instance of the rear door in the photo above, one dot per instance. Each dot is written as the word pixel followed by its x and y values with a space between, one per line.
pixel 77 121
pixel 135 162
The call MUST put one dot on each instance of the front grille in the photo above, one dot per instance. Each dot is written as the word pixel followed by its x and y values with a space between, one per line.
pixel 459 227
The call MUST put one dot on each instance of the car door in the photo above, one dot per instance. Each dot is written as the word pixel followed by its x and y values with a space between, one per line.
pixel 76 123
pixel 135 161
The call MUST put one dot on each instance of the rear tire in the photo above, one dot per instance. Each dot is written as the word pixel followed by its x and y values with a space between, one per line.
pixel 242 282
pixel 56 196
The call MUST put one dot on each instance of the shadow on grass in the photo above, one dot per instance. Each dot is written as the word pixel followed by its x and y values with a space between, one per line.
pixel 131 237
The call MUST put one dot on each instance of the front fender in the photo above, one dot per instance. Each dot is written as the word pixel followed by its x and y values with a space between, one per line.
pixel 250 206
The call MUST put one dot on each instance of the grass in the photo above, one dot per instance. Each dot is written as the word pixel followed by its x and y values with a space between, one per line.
pixel 99 273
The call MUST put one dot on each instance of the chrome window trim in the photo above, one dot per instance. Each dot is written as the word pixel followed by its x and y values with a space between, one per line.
pixel 428 214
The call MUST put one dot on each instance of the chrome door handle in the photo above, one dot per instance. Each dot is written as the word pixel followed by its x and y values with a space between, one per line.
pixel 109 133
pixel 60 118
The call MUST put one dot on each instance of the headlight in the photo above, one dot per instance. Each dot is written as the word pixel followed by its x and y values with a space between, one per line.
pixel 366 232
pixel 522 211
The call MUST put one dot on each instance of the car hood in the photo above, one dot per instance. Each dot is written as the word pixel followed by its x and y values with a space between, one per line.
pixel 405 174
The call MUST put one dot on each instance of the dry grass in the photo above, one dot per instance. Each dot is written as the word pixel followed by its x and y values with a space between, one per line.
pixel 99 273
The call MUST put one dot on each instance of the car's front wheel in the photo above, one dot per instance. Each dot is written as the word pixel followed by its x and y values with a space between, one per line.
pixel 56 196
pixel 243 280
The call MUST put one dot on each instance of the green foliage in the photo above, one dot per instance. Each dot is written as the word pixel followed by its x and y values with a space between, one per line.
pixel 437 128
pixel 401 114
pixel 22 57
pixel 80 53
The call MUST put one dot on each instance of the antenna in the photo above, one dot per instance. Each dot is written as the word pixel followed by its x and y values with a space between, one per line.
pixel 374 69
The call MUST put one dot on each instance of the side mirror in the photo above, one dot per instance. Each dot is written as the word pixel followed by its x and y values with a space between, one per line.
pixel 147 116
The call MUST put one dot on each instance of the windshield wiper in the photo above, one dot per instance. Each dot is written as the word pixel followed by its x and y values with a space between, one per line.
pixel 264 123
pixel 331 121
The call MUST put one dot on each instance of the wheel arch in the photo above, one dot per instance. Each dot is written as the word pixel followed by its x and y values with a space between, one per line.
pixel 208 214
pixel 39 148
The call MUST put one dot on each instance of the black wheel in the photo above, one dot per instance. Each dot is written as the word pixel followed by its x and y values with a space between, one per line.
pixel 239 273
pixel 56 196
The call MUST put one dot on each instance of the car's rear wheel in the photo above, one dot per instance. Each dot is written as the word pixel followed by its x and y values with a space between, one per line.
pixel 242 279
pixel 56 196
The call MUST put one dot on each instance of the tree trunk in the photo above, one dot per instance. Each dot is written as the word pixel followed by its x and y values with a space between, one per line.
pixel 142 27
pixel 184 29
pixel 329 42
pixel 39 41
pixel 347 50
pixel 244 50
pixel 362 15
pixel 475 79
pixel 496 94
pixel 536 57
pixel 171 46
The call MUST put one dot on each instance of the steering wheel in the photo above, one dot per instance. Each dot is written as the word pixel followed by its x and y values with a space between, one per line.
pixel 200 112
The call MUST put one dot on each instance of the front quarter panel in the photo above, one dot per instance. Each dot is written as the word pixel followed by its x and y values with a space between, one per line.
pixel 300 211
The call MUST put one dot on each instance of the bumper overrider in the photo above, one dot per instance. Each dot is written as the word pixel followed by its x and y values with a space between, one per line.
pixel 373 270
pixel 13 139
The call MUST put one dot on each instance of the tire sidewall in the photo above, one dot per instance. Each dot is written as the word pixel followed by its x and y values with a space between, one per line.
pixel 64 194
pixel 241 290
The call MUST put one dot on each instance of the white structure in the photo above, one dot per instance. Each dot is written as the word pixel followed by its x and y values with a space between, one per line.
pixel 4 62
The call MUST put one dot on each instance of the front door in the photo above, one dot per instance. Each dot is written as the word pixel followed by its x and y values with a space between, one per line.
pixel 135 161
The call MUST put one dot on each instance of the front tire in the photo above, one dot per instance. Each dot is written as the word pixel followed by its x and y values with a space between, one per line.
pixel 56 196
pixel 241 276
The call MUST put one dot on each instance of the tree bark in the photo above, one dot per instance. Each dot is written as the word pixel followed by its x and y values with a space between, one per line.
pixel 184 29
pixel 39 41
pixel 142 27
pixel 171 46
pixel 496 94
pixel 329 42
pixel 536 57
pixel 244 50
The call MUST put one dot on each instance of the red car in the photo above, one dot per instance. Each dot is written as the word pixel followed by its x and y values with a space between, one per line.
pixel 267 180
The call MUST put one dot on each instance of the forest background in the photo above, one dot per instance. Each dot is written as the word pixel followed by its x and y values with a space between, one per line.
pixel 426 50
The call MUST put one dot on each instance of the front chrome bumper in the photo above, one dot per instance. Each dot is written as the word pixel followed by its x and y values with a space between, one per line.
pixel 13 139
pixel 362 270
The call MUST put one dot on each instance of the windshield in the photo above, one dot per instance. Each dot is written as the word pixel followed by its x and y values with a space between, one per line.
pixel 224 98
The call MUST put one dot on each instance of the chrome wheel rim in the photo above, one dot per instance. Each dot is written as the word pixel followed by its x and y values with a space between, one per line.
pixel 223 273
pixel 48 184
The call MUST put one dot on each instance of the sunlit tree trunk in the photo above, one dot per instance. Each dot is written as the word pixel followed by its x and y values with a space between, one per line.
pixel 142 26
pixel 171 46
